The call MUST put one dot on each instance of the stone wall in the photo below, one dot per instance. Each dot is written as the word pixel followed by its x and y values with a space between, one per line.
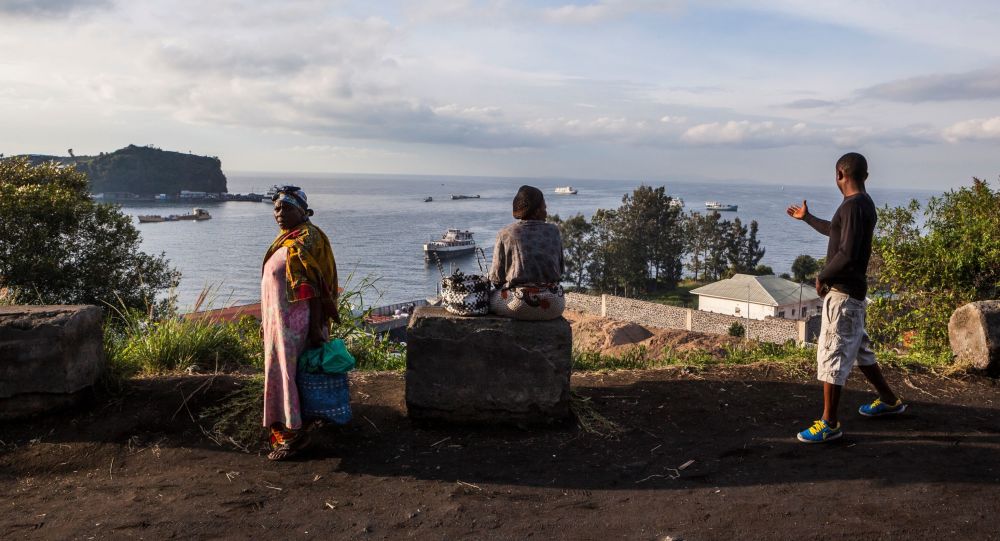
pixel 776 330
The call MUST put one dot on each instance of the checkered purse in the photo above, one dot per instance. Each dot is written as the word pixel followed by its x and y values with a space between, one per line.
pixel 466 294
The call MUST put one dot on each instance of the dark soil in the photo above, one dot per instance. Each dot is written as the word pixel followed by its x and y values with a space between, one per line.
pixel 688 455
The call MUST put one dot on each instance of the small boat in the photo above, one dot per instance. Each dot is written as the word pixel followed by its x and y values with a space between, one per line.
pixel 428 199
pixel 271 191
pixel 460 196
pixel 566 190
pixel 453 242
pixel 715 205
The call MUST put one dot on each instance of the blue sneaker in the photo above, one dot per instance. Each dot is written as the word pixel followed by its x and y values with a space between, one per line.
pixel 879 408
pixel 820 432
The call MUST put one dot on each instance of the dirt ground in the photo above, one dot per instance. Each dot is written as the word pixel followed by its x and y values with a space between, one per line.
pixel 610 337
pixel 684 455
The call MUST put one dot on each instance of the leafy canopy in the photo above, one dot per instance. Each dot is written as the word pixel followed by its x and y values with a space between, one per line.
pixel 57 246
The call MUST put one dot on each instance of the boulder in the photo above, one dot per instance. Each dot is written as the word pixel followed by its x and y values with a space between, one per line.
pixel 49 357
pixel 974 334
pixel 487 369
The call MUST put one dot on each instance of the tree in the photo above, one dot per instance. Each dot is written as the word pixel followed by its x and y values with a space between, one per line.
pixel 804 268
pixel 59 247
pixel 578 246
pixel 921 274
pixel 762 270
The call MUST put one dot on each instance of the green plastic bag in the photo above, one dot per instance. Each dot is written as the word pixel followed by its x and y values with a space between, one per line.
pixel 330 358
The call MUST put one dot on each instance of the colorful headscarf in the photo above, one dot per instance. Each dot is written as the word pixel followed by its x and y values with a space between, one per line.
pixel 310 270
pixel 293 195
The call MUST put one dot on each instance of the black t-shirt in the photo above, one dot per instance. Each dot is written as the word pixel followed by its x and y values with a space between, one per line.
pixel 850 246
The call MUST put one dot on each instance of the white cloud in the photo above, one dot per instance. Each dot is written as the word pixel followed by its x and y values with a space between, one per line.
pixel 977 129
pixel 606 9
pixel 745 133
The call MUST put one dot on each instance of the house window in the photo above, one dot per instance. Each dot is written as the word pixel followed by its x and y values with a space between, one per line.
pixel 818 309
pixel 793 312
pixel 781 313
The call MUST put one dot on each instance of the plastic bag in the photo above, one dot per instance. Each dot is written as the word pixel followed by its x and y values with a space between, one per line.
pixel 330 358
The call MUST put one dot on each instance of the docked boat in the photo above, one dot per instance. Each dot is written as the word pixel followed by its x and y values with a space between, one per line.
pixel 715 205
pixel 566 190
pixel 196 214
pixel 270 193
pixel 454 242
pixel 428 199
pixel 460 196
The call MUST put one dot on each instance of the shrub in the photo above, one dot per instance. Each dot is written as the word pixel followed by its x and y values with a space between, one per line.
pixel 64 248
pixel 737 329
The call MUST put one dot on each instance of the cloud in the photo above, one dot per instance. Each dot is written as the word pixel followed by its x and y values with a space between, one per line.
pixel 808 103
pixel 606 10
pixel 972 85
pixel 977 129
pixel 744 133
pixel 49 8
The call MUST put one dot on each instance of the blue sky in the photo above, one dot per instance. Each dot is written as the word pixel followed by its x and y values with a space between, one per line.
pixel 631 89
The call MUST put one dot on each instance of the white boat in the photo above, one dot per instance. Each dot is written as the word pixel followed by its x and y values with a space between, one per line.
pixel 460 196
pixel 715 205
pixel 270 193
pixel 454 242
pixel 566 190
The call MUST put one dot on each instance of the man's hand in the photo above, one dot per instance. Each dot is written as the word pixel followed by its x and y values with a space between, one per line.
pixel 797 212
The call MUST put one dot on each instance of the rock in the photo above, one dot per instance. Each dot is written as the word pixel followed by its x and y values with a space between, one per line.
pixel 49 357
pixel 974 334
pixel 487 369
pixel 626 333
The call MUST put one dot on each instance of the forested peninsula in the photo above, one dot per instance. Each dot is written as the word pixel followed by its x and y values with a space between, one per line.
pixel 146 170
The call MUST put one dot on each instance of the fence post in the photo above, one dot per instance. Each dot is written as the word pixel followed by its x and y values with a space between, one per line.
pixel 604 305
pixel 689 319
pixel 801 328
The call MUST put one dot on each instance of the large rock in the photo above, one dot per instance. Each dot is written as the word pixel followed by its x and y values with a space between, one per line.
pixel 974 334
pixel 49 356
pixel 487 369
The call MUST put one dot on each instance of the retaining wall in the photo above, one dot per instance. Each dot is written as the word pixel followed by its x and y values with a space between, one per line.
pixel 776 330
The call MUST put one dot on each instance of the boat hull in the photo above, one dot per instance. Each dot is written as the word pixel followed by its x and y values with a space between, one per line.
pixel 444 253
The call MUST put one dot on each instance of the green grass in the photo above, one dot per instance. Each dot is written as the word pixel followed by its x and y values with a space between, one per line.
pixel 679 296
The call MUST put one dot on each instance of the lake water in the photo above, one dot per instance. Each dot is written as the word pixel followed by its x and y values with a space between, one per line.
pixel 378 224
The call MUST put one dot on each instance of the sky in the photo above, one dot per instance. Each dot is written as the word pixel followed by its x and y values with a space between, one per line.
pixel 653 91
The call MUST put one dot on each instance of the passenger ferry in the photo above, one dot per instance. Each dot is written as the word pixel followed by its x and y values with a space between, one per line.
pixel 715 205
pixel 454 242
pixel 566 190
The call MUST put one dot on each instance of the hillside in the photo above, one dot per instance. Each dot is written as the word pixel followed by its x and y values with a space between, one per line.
pixel 147 170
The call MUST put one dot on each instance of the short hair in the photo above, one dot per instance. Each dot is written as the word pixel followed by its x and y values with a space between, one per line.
pixel 854 166
pixel 528 202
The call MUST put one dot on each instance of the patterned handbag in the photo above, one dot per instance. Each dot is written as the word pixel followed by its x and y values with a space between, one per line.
pixel 466 294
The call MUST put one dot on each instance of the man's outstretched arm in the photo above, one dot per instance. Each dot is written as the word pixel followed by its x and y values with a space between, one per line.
pixel 802 213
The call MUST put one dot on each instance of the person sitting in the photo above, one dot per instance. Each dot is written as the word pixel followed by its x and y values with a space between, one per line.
pixel 528 263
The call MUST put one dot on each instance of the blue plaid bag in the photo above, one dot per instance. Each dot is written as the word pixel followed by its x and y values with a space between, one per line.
pixel 324 396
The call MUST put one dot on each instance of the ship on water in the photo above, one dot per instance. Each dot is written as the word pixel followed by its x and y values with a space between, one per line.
pixel 454 242
pixel 715 205
pixel 460 196
pixel 196 214
pixel 566 190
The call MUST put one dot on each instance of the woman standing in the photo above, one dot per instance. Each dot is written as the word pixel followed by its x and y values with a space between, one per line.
pixel 528 263
pixel 298 295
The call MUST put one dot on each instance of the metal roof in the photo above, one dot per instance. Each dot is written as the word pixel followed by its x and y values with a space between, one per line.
pixel 766 290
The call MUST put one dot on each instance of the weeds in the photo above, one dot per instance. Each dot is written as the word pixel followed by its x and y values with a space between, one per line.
pixel 236 419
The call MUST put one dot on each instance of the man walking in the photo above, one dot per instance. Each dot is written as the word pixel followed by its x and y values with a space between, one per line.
pixel 842 338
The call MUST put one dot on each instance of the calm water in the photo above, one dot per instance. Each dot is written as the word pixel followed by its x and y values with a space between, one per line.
pixel 377 225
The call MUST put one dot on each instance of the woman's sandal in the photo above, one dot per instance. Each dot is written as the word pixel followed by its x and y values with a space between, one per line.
pixel 288 448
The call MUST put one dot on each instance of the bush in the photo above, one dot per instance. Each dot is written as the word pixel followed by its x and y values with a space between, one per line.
pixel 62 248
pixel 737 329
pixel 921 274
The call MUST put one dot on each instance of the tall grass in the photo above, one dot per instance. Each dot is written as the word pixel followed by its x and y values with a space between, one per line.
pixel 640 358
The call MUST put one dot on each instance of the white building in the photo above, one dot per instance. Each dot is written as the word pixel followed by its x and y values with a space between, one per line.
pixel 758 297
